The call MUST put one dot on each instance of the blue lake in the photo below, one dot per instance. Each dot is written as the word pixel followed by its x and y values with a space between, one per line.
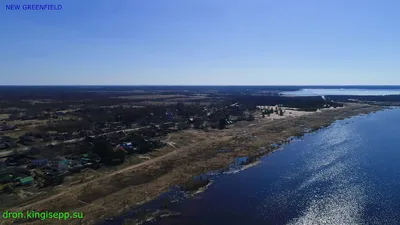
pixel 348 173
pixel 342 91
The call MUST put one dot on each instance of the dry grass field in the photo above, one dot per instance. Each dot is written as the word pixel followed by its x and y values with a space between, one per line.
pixel 188 153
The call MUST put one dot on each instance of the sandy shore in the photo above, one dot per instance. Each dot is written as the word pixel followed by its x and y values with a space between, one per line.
pixel 191 153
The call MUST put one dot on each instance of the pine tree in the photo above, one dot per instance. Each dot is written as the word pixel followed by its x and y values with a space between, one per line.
pixel 280 112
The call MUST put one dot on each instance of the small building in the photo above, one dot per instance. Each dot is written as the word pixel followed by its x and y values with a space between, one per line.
pixel 39 162
pixel 26 180
pixel 62 168
pixel 128 147
pixel 64 162
pixel 85 160
pixel 76 168
pixel 53 178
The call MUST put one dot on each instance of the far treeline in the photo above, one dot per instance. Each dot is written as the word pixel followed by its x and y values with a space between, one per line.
pixel 304 103
pixel 382 98
pixel 158 114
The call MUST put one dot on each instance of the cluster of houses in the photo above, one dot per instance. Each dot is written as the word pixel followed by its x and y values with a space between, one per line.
pixel 23 170
pixel 187 117
pixel 14 176
pixel 29 171
pixel 47 172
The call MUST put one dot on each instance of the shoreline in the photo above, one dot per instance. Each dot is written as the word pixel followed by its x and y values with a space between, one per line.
pixel 114 195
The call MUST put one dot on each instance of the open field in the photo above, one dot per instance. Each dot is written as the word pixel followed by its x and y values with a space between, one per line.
pixel 173 134
pixel 190 153
pixel 4 116
pixel 27 122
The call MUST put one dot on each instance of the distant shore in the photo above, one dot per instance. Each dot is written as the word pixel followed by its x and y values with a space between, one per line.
pixel 122 190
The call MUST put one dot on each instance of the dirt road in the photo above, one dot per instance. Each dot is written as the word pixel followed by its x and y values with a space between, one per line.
pixel 106 176
pixel 76 187
pixel 115 192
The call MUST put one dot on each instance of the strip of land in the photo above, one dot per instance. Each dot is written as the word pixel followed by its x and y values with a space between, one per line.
pixel 119 191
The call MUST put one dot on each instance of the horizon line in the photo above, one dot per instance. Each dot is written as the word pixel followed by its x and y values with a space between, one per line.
pixel 193 85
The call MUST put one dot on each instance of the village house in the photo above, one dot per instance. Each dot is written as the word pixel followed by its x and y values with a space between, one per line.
pixel 24 180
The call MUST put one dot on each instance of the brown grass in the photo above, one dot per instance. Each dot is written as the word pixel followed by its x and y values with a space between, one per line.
pixel 4 116
pixel 27 122
pixel 113 194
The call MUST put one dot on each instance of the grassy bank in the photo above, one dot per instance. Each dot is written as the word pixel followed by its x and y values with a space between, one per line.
pixel 122 190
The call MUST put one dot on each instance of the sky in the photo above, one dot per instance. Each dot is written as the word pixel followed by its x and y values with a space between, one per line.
pixel 201 42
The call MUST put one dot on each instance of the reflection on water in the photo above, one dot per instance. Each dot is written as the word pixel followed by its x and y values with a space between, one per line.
pixel 346 174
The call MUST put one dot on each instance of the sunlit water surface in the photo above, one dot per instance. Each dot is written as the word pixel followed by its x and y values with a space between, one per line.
pixel 348 173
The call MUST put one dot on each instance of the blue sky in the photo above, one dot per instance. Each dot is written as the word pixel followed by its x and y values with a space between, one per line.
pixel 201 42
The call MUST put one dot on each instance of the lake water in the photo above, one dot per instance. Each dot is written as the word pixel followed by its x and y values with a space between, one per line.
pixel 348 173
pixel 343 91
